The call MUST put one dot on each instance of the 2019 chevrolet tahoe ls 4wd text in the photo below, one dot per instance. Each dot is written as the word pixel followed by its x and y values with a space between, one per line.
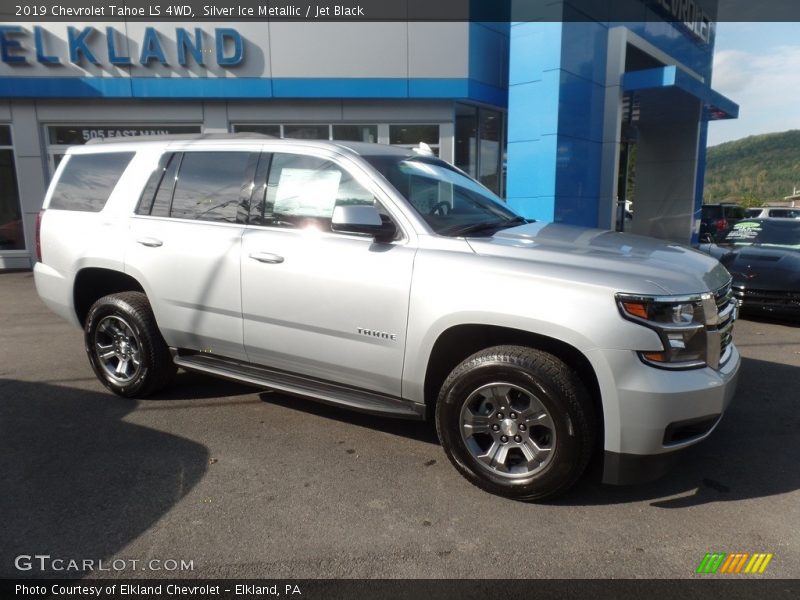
pixel 385 280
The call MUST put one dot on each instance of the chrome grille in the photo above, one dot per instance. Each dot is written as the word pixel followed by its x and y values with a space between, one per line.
pixel 726 304
pixel 769 297
pixel 723 296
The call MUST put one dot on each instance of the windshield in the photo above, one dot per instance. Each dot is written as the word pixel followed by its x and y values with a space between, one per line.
pixel 759 232
pixel 449 201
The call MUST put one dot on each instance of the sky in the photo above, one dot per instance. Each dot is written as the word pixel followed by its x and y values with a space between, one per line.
pixel 757 65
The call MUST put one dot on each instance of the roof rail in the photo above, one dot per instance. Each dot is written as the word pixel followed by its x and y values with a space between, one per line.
pixel 180 137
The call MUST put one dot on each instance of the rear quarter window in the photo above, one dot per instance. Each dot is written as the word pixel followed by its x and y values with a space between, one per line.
pixel 785 213
pixel 711 212
pixel 88 180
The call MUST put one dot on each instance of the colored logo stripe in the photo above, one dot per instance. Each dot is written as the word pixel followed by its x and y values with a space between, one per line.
pixel 734 563
pixel 758 563
pixel 711 562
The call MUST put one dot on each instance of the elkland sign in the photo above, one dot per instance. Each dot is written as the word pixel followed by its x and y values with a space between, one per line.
pixel 86 45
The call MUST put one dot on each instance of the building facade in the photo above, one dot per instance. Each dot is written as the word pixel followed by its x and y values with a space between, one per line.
pixel 620 115
pixel 535 110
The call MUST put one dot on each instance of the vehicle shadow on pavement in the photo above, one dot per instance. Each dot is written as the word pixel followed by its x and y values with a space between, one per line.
pixel 196 386
pixel 422 431
pixel 79 482
pixel 753 453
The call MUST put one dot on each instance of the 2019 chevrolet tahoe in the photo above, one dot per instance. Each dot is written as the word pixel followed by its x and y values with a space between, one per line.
pixel 385 280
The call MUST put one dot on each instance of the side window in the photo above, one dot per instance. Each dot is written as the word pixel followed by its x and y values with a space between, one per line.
pixel 302 191
pixel 736 212
pixel 784 213
pixel 163 197
pixel 88 180
pixel 213 186
pixel 159 186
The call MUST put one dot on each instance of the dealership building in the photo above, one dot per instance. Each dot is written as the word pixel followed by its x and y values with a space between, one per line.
pixel 566 117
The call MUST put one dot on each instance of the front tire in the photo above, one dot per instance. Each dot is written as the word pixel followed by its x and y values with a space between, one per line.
pixel 125 347
pixel 516 422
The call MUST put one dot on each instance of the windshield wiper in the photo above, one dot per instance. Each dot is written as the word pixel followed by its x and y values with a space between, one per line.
pixel 460 230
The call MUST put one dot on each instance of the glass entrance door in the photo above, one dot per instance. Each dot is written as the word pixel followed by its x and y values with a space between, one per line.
pixel 11 230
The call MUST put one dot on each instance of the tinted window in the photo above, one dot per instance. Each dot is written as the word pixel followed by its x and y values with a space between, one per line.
pixel 735 212
pixel 212 186
pixel 779 233
pixel 785 213
pixel 711 212
pixel 154 184
pixel 88 180
pixel 163 198
pixel 302 191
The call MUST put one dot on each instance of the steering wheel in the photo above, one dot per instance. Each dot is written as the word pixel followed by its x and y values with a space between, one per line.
pixel 440 208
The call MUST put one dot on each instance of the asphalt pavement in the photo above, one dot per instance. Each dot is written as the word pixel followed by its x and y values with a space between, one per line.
pixel 247 483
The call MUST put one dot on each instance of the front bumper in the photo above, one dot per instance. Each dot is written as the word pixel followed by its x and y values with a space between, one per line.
pixel 650 414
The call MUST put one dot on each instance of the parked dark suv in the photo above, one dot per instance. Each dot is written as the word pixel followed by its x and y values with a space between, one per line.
pixel 717 219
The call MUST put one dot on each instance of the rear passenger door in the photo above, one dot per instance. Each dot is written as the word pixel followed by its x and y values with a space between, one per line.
pixel 184 246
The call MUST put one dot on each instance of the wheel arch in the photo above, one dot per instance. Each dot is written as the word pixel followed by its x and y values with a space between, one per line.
pixel 460 341
pixel 92 283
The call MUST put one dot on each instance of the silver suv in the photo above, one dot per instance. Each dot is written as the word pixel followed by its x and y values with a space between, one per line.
pixel 385 280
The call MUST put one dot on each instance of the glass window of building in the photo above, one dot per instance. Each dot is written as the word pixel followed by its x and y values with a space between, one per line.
pixel 60 137
pixel 11 233
pixel 271 130
pixel 479 145
pixel 344 132
pixel 411 135
pixel 466 142
pixel 491 123
pixel 355 133
pixel 307 132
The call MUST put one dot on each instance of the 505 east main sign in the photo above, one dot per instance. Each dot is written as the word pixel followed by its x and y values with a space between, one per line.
pixel 86 46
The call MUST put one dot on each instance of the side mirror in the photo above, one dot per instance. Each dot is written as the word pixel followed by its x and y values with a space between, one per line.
pixel 363 220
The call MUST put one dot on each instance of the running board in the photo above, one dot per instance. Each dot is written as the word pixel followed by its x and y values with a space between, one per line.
pixel 330 393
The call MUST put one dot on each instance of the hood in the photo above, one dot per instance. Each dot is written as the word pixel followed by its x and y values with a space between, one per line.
pixel 626 262
pixel 761 268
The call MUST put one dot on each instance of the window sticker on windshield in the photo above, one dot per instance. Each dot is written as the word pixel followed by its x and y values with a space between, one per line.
pixel 744 230
pixel 307 192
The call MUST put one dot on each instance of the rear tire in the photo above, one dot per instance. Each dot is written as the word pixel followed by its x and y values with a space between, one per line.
pixel 516 422
pixel 125 347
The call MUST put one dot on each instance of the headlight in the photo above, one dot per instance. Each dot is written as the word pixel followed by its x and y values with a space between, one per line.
pixel 679 322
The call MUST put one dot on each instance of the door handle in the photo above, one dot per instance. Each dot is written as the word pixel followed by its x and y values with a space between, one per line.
pixel 150 242
pixel 266 257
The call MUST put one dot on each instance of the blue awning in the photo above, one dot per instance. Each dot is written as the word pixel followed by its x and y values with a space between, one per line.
pixel 716 106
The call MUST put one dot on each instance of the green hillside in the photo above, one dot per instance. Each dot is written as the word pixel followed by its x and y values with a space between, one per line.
pixel 754 170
